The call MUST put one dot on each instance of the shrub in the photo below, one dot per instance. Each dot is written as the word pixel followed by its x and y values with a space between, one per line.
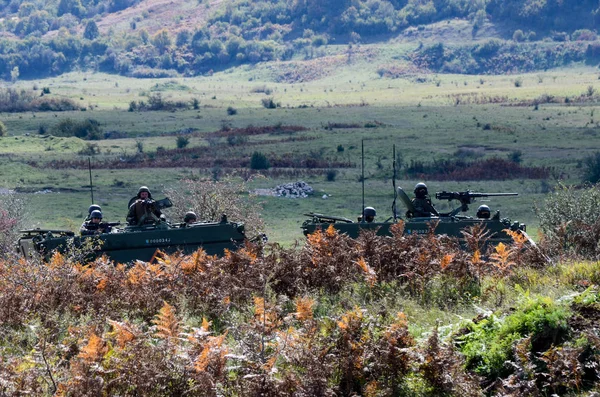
pixel 340 148
pixel 3 130
pixel 515 156
pixel 570 221
pixel 85 129
pixel 518 36
pixel 518 82
pixel 488 344
pixel 210 199
pixel 331 175
pixel 182 141
pixel 269 103
pixel 584 35
pixel 231 111
pixel 591 168
pixel 259 161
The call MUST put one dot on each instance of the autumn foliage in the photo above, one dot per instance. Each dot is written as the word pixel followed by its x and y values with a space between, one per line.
pixel 249 323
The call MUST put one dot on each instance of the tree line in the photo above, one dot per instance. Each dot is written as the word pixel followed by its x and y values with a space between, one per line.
pixel 245 31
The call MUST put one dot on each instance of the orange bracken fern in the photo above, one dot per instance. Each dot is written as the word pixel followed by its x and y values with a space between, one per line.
pixel 94 350
pixel 167 326
pixel 304 308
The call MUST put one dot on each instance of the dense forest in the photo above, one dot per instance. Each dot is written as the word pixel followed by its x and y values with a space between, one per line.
pixel 49 37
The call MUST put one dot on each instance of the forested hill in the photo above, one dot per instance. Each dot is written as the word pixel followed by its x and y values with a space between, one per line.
pixel 152 38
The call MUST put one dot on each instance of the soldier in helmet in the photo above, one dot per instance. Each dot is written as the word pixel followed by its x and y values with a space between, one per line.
pixel 422 202
pixel 144 209
pixel 369 213
pixel 92 207
pixel 189 218
pixel 94 225
pixel 483 212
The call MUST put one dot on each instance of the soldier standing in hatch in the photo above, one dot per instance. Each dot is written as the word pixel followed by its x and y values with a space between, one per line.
pixel 144 209
pixel 422 202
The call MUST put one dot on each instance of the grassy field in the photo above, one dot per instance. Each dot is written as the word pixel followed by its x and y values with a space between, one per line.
pixel 427 117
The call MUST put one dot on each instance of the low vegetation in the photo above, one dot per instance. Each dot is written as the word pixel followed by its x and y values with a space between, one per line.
pixel 334 316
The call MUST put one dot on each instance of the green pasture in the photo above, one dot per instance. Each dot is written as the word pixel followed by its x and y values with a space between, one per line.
pixel 417 114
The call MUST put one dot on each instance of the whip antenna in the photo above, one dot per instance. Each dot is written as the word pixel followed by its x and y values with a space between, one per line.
pixel 394 212
pixel 91 184
pixel 362 143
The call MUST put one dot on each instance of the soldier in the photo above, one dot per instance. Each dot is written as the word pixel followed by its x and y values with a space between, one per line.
pixel 422 202
pixel 369 213
pixel 189 218
pixel 144 209
pixel 92 207
pixel 483 212
pixel 94 225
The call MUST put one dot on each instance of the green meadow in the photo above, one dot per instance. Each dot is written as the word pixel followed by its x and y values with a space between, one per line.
pixel 427 117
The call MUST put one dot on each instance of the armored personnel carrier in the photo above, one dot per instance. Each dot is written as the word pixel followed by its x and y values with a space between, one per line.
pixel 137 242
pixel 451 223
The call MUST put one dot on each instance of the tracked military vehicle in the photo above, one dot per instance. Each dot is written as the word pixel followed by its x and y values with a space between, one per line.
pixel 137 242
pixel 452 223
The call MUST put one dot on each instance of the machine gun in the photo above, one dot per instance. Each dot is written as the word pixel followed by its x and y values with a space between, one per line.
pixel 466 198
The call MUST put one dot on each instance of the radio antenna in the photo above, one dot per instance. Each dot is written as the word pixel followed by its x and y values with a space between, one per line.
pixel 362 142
pixel 394 212
pixel 91 183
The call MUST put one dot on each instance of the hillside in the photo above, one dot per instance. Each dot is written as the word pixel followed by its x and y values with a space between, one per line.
pixel 186 38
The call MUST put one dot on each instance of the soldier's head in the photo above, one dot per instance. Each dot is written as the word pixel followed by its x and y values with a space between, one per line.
pixel 144 193
pixel 94 207
pixel 190 217
pixel 483 212
pixel 420 190
pixel 96 216
pixel 369 214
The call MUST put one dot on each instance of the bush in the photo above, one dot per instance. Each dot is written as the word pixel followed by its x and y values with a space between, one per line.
pixel 210 199
pixel 331 175
pixel 488 344
pixel 182 141
pixel 85 129
pixel 591 168
pixel 570 221
pixel 231 111
pixel 515 156
pixel 518 36
pixel 3 130
pixel 259 161
pixel 269 103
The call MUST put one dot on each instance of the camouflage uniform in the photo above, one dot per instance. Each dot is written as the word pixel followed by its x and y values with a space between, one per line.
pixel 423 207
pixel 143 210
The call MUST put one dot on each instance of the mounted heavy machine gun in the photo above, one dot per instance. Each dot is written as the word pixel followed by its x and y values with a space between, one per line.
pixel 466 198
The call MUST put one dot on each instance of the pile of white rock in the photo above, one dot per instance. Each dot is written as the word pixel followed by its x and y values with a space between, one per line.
pixel 298 189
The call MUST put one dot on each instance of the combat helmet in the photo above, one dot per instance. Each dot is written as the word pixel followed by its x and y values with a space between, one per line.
pixel 190 216
pixel 369 214
pixel 96 214
pixel 421 190
pixel 144 189
pixel 483 212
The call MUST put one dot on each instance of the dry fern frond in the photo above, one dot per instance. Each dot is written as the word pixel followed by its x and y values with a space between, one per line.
pixel 122 332
pixel 167 326
pixel 446 260
pixel 304 308
pixel 213 355
pixel 368 271
pixel 94 350
pixel 501 258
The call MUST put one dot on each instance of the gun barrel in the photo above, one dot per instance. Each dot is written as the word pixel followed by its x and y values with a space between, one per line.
pixel 494 194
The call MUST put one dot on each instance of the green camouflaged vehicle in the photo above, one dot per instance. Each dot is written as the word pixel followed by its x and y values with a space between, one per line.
pixel 139 242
